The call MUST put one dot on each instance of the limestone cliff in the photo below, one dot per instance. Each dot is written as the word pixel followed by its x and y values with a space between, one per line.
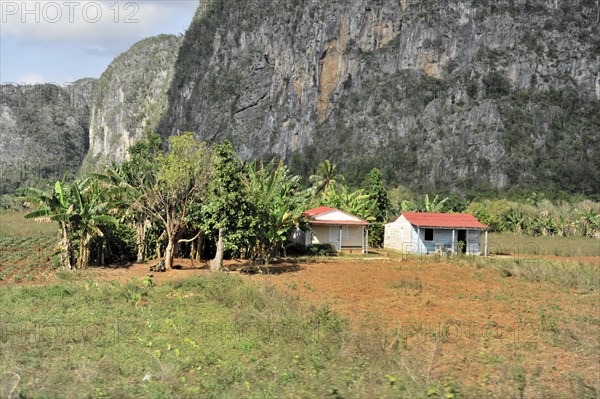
pixel 131 97
pixel 437 93
pixel 43 132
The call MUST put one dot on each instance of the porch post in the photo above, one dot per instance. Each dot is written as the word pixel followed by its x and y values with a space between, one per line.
pixel 453 251
pixel 367 240
pixel 362 236
pixel 485 246
pixel 418 240
pixel 340 238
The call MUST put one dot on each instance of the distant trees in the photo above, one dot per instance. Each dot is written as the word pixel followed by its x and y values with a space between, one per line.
pixel 247 210
pixel 540 217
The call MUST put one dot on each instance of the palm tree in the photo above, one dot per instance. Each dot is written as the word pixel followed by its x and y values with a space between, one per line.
pixel 120 186
pixel 326 178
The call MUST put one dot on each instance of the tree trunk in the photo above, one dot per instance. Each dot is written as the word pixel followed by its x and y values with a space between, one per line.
pixel 199 246
pixel 103 254
pixel 140 237
pixel 170 251
pixel 84 252
pixel 66 248
pixel 216 265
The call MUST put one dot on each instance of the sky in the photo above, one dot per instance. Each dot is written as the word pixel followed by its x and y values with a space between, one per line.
pixel 45 41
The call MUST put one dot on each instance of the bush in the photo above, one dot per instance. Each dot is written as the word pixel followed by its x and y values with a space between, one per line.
pixel 118 245
pixel 326 249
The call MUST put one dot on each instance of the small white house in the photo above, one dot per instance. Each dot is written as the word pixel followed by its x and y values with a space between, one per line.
pixel 333 226
pixel 424 233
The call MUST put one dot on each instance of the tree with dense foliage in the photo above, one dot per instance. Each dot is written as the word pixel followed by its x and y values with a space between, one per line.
pixel 139 171
pixel 279 205
pixel 375 189
pixel 175 181
pixel 228 210
pixel 356 202
pixel 436 204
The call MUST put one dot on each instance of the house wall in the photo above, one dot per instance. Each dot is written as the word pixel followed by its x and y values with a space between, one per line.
pixel 473 242
pixel 444 238
pixel 320 234
pixel 351 235
pixel 402 236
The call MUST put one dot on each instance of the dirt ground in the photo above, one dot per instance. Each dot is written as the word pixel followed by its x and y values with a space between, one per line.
pixel 462 321
pixel 487 331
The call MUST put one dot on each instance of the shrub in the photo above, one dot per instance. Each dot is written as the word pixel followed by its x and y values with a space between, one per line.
pixel 326 249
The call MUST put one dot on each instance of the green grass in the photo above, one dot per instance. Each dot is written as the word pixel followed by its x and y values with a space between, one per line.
pixel 209 337
pixel 15 224
pixel 513 243
pixel 581 275
pixel 406 283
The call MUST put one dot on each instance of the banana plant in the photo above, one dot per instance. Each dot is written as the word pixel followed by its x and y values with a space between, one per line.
pixel 80 209
pixel 55 206
pixel 279 204
pixel 436 204
pixel 357 202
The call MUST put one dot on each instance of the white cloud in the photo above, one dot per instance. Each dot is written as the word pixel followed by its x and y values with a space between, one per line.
pixel 43 21
pixel 30 79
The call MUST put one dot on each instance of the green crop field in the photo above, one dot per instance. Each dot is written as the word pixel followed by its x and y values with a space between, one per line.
pixel 27 248
pixel 513 243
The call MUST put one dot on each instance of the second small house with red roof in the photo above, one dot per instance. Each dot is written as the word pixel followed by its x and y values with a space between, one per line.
pixel 428 233
pixel 336 227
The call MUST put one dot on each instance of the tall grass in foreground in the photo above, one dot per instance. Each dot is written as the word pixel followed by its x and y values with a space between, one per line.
pixel 209 337
pixel 514 243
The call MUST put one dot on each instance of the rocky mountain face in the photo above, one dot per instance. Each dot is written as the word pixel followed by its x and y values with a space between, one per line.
pixel 463 94
pixel 131 97
pixel 43 131
pixel 441 95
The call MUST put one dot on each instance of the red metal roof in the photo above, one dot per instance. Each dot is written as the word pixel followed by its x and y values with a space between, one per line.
pixel 311 214
pixel 426 219
pixel 318 211
pixel 339 222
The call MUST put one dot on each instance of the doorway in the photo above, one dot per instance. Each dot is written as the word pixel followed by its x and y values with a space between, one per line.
pixel 461 241
pixel 334 236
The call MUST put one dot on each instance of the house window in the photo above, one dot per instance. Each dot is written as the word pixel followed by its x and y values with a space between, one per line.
pixel 428 234
pixel 345 233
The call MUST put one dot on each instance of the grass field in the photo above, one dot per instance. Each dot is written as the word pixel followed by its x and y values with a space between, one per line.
pixel 209 337
pixel 386 326
pixel 512 243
